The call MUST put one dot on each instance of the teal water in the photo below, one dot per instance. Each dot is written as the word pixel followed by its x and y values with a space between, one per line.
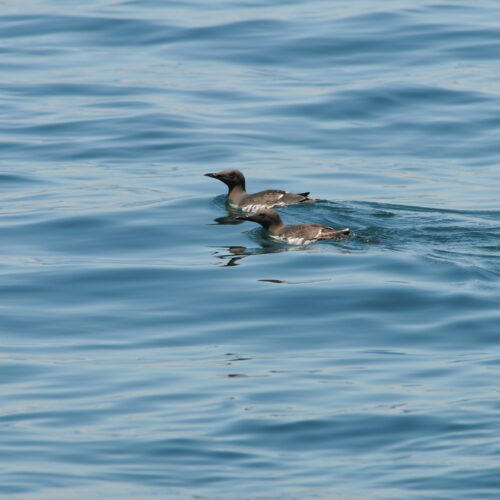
pixel 153 347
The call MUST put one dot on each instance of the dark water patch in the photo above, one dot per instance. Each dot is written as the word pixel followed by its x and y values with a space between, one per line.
pixel 14 372
pixel 339 432
pixel 111 30
pixel 67 89
pixel 386 101
pixel 242 30
pixel 181 151
pixel 398 36
pixel 375 20
pixel 477 51
pixel 152 127
pixel 7 181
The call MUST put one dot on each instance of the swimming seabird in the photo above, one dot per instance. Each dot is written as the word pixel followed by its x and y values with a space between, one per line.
pixel 302 234
pixel 238 197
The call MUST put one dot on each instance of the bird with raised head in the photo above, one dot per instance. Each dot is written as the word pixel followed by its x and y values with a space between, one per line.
pixel 239 198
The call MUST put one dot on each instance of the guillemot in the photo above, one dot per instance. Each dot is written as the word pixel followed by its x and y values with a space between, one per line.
pixel 239 198
pixel 302 234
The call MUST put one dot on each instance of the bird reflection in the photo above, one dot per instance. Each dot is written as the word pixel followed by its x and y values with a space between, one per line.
pixel 228 219
pixel 230 256
pixel 231 217
pixel 231 259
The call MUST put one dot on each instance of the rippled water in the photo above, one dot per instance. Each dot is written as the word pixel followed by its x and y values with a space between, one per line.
pixel 153 346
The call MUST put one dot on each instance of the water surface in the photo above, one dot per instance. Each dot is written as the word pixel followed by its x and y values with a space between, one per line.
pixel 154 347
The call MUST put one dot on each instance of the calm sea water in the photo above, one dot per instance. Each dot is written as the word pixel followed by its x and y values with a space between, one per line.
pixel 152 347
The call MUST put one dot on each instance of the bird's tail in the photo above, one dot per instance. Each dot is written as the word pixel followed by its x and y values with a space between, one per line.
pixel 306 198
pixel 339 234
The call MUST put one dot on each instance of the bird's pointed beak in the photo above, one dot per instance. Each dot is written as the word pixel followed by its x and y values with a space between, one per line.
pixel 211 174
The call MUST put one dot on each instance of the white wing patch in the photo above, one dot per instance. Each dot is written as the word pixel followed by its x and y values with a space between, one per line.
pixel 253 208
pixel 290 241
pixel 256 208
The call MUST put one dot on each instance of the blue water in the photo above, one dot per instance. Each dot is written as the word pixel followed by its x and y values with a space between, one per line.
pixel 154 347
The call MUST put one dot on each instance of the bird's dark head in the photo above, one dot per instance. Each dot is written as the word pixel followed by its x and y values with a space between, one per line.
pixel 231 178
pixel 266 218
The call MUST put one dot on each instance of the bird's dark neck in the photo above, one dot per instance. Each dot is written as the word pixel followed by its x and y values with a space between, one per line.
pixel 237 193
pixel 275 226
